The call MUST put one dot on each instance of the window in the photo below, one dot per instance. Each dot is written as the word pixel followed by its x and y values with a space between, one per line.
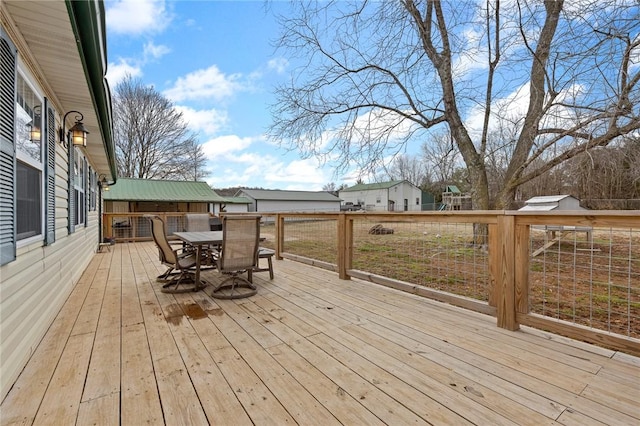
pixel 29 165
pixel 79 187
pixel 93 183
pixel 377 199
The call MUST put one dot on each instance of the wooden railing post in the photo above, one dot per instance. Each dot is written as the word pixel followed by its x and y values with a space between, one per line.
pixel 522 266
pixel 504 266
pixel 345 245
pixel 494 249
pixel 279 235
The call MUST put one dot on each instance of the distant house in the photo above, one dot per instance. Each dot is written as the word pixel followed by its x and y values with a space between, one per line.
pixel 397 195
pixel 150 195
pixel 274 200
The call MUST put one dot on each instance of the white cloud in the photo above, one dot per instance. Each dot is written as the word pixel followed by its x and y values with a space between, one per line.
pixel 233 168
pixel 279 65
pixel 153 51
pixel 223 146
pixel 300 174
pixel 210 83
pixel 207 121
pixel 117 71
pixel 136 17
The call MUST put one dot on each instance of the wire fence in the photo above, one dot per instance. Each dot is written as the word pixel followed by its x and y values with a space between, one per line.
pixel 587 278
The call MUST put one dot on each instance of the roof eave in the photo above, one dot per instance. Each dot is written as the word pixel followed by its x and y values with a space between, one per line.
pixel 88 23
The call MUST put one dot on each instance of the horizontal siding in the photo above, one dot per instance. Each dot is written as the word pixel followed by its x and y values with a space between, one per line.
pixel 34 287
pixel 298 206
pixel 31 298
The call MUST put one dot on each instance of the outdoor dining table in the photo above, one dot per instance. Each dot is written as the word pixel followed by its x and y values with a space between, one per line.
pixel 198 240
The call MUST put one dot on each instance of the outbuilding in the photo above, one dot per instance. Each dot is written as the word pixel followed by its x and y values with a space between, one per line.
pixel 555 233
pixel 549 203
pixel 275 200
pixel 396 195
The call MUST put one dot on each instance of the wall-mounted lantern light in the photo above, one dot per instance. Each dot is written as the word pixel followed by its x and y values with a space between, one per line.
pixel 104 184
pixel 78 134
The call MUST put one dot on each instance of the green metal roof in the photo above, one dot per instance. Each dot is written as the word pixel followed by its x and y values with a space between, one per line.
pixel 161 190
pixel 282 195
pixel 370 186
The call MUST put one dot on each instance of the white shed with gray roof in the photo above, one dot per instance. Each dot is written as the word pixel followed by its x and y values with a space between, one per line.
pixel 275 200
pixel 549 203
pixel 555 233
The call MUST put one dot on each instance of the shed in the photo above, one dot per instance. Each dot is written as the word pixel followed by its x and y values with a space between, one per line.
pixel 276 200
pixel 150 195
pixel 552 202
pixel 555 233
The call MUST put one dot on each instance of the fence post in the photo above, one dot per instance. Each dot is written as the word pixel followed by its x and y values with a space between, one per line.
pixel 494 249
pixel 504 267
pixel 279 235
pixel 345 245
pixel 522 260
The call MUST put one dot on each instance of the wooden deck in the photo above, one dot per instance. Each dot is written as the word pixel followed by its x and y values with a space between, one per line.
pixel 308 349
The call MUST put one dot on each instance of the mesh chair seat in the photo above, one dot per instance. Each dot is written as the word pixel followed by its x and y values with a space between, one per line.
pixel 183 279
pixel 239 254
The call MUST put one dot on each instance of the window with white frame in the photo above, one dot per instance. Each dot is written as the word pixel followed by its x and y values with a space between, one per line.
pixel 29 164
pixel 92 182
pixel 79 186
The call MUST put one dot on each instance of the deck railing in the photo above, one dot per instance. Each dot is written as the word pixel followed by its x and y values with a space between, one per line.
pixel 573 273
pixel 131 227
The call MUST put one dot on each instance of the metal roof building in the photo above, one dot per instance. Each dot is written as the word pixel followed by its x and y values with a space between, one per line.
pixel 275 200
pixel 552 202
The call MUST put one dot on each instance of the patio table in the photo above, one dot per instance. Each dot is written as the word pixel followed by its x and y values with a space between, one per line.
pixel 198 240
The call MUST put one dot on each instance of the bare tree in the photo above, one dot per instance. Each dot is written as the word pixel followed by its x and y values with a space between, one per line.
pixel 334 189
pixel 406 167
pixel 152 140
pixel 375 76
pixel 441 157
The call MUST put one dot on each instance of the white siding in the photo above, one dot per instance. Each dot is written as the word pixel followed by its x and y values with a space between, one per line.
pixel 35 286
pixel 379 199
pixel 297 206
pixel 232 208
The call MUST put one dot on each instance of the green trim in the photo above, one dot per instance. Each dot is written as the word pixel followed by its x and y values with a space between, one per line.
pixel 88 22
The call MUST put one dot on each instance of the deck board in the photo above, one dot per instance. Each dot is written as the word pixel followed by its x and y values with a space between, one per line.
pixel 307 349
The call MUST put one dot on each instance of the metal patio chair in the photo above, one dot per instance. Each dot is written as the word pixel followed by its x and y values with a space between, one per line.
pixel 239 254
pixel 183 279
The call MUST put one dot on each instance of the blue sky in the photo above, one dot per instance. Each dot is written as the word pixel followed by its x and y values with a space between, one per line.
pixel 216 62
